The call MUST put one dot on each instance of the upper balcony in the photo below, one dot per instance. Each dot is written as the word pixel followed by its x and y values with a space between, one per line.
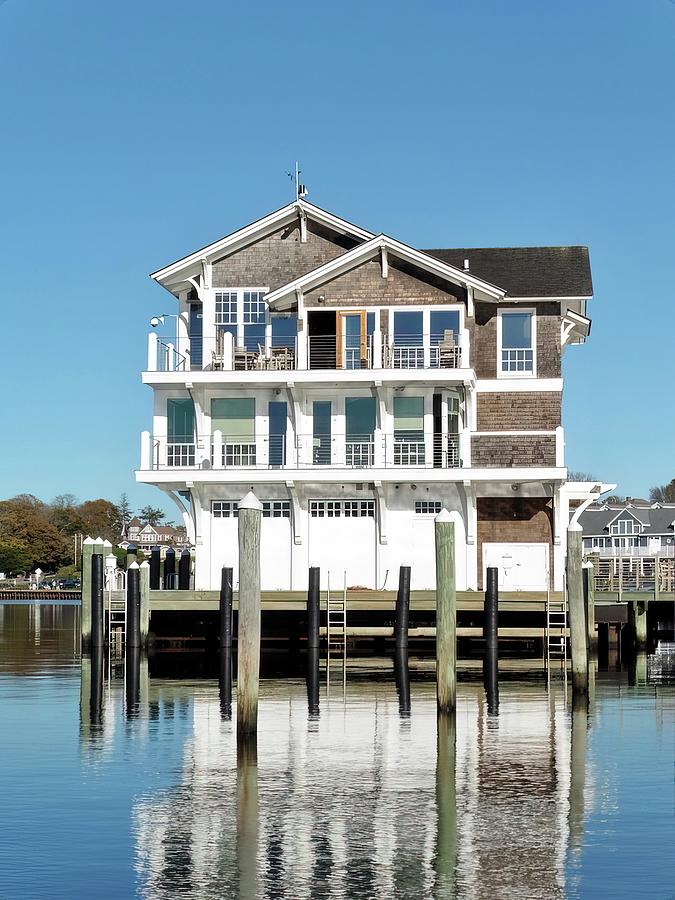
pixel 315 352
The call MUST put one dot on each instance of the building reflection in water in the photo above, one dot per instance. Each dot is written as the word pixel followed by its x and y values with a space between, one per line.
pixel 367 800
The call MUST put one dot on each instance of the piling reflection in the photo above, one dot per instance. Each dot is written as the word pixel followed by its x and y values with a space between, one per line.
pixel 247 816
pixel 225 683
pixel 313 681
pixel 402 678
pixel 491 681
pixel 445 863
pixel 578 744
pixel 135 682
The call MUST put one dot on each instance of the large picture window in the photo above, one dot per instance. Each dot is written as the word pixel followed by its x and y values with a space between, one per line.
pixel 242 313
pixel 516 337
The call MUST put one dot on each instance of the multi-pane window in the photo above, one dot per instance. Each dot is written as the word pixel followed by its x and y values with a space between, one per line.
pixel 254 307
pixel 226 307
pixel 276 509
pixel 334 509
pixel 427 507
pixel 225 509
pixel 516 341
pixel 625 526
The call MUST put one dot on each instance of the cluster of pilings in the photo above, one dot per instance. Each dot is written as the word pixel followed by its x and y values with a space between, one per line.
pixel 169 579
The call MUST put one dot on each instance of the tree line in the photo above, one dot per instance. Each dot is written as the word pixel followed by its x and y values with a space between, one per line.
pixel 35 534
pixel 660 493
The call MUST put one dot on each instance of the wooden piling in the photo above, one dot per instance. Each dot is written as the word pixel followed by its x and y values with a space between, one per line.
pixel 170 569
pixel 96 601
pixel 589 603
pixel 184 565
pixel 133 624
pixel 225 609
pixel 637 620
pixel 446 807
pixel 446 613
pixel 402 615
pixel 155 567
pixel 577 611
pixel 248 641
pixel 132 555
pixel 313 607
pixel 85 603
pixel 144 586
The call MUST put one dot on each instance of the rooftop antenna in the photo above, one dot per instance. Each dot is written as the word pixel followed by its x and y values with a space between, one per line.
pixel 300 189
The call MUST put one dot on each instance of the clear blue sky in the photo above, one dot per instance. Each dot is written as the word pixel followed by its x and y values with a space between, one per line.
pixel 133 133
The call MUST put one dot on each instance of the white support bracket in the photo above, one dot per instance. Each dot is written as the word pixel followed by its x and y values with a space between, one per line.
pixel 471 517
pixel 295 502
pixel 187 514
pixel 470 311
pixel 206 274
pixel 384 258
pixel 381 512
pixel 303 225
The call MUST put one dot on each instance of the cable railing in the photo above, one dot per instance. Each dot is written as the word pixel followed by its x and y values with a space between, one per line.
pixel 331 351
pixel 306 451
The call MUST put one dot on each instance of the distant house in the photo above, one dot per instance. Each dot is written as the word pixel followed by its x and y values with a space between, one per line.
pixel 633 528
pixel 147 536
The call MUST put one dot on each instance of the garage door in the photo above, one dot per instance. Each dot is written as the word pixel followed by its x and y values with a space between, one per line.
pixel 342 538
pixel 275 543
pixel 522 567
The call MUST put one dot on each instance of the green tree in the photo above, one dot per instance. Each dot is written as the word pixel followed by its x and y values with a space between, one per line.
pixel 150 515
pixel 124 514
pixel 25 521
pixel 15 557
pixel 100 519
pixel 664 493
pixel 64 513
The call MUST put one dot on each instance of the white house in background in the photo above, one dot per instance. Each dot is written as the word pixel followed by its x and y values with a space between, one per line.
pixel 359 385
pixel 629 529
pixel 147 536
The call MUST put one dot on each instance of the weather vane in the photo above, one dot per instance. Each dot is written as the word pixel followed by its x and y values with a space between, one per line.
pixel 300 189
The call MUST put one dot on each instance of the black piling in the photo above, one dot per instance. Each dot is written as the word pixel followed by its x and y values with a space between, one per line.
pixel 97 615
pixel 184 571
pixel 132 676
pixel 225 684
pixel 155 567
pixel 313 613
pixel 96 687
pixel 402 677
pixel 313 680
pixel 133 624
pixel 226 609
pixel 402 608
pixel 491 658
pixel 170 569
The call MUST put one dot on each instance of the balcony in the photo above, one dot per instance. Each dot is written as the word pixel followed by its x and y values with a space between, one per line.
pixel 305 451
pixel 376 351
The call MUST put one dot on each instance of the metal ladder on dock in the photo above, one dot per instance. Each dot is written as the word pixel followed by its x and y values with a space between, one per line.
pixel 556 631
pixel 117 623
pixel 336 630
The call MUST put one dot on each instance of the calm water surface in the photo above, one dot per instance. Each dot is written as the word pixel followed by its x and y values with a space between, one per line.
pixel 146 797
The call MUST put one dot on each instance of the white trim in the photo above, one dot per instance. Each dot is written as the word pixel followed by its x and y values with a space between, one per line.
pixel 246 235
pixel 513 433
pixel 626 509
pixel 525 374
pixel 547 299
pixel 368 250
pixel 504 385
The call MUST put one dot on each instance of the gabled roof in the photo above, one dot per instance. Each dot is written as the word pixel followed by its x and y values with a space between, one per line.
pixel 527 271
pixel 628 511
pixel 656 519
pixel 191 264
pixel 369 250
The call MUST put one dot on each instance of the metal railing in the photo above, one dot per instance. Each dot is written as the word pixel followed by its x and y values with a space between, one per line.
pixel 414 351
pixel 309 450
pixel 328 351
pixel 169 359
pixel 651 574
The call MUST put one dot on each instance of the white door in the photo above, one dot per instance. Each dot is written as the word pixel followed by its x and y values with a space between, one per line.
pixel 342 539
pixel 522 567
pixel 275 544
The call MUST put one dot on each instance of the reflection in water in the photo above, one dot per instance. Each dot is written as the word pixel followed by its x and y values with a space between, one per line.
pixel 225 682
pixel 491 681
pixel 374 798
pixel 313 681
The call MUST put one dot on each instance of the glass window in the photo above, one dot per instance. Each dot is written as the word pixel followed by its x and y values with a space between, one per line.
pixel 517 351
pixel 254 337
pixel 254 307
pixel 408 329
pixel 443 321
pixel 284 330
pixel 409 418
pixel 235 418
pixel 226 307
pixel 180 415
pixel 321 411
pixel 427 507
pixel 359 418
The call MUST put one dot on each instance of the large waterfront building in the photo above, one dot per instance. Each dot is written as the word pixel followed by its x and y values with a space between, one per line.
pixel 358 385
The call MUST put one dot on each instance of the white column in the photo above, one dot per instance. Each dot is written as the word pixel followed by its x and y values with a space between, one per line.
pixel 561 517
pixel 560 447
pixel 217 449
pixel 303 337
pixel 471 537
pixel 182 336
pixel 208 299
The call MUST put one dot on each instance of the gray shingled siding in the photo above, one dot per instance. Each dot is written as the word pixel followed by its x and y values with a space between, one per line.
pixel 484 339
pixel 528 411
pixel 496 452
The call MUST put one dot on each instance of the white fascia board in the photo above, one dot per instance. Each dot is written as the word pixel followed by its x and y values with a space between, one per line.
pixel 337 378
pixel 630 513
pixel 516 385
pixel 334 475
pixel 369 250
pixel 545 299
pixel 253 231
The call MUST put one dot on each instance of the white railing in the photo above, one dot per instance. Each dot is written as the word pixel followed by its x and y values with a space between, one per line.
pixel 180 455
pixel 359 454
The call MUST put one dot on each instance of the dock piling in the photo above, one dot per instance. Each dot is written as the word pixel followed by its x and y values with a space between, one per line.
pixel 446 613
pixel 144 610
pixel 637 619
pixel 85 605
pixel 313 681
pixel 577 611
pixel 184 564
pixel 402 678
pixel 225 609
pixel 133 624
pixel 170 569
pixel 97 613
pixel 402 608
pixel 490 633
pixel 589 603
pixel 248 641
pixel 155 567
pixel 313 607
